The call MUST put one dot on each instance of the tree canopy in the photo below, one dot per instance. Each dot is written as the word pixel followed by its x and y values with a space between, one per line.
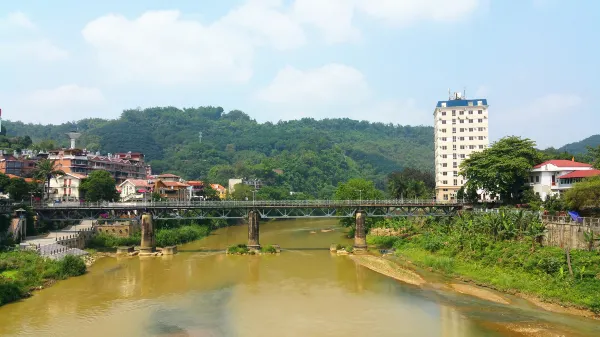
pixel 502 169
pixel 411 183
pixel 584 194
pixel 99 186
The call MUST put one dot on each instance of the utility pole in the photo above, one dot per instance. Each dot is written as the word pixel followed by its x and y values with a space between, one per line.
pixel 253 196
pixel 200 137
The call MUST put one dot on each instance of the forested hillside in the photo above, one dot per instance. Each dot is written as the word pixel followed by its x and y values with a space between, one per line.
pixel 313 155
pixel 581 146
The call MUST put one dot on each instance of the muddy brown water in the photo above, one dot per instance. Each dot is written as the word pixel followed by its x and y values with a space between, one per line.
pixel 304 291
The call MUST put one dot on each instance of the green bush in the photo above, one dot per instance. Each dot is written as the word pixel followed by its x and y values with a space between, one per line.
pixel 238 249
pixel 349 248
pixel 382 241
pixel 268 249
pixel 10 291
pixel 72 265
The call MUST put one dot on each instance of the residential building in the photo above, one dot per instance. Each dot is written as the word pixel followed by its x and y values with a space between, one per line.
pixel 232 183
pixel 121 166
pixel 196 189
pixel 21 165
pixel 254 183
pixel 135 190
pixel 221 191
pixel 553 177
pixel 460 128
pixel 170 187
pixel 66 188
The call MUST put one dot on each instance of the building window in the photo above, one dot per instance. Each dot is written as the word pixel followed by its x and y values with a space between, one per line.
pixel 444 147
pixel 481 146
pixel 461 113
pixel 453 121
pixel 462 156
pixel 444 156
pixel 454 164
pixel 537 179
pixel 444 173
pixel 445 182
pixel 480 120
pixel 454 156
pixel 443 139
pixel 453 113
pixel 444 112
pixel 454 147
pixel 453 130
pixel 470 112
pixel 443 121
pixel 462 121
pixel 481 137
pixel 462 147
pixel 480 112
pixel 444 104
pixel 470 103
pixel 471 138
pixel 480 129
pixel 471 147
pixel 470 121
pixel 455 182
pixel 455 174
pixel 462 129
pixel 445 196
pixel 479 103
pixel 471 129
pixel 454 138
pixel 461 139
pixel 443 130
pixel 444 165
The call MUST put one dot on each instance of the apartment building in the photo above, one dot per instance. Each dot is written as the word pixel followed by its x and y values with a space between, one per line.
pixel 122 166
pixel 460 128
pixel 554 177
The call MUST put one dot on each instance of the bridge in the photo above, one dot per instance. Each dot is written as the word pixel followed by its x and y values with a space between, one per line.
pixel 252 211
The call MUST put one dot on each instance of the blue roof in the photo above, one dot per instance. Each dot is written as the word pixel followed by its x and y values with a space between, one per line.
pixel 461 102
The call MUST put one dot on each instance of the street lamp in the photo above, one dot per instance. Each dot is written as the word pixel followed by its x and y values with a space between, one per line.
pixel 253 196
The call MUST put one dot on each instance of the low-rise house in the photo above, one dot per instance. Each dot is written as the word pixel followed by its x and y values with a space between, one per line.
pixel 171 190
pixel 196 189
pixel 135 190
pixel 221 191
pixel 66 188
pixel 553 177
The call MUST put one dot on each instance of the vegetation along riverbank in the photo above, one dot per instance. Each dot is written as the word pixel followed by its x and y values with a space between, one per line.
pixel 22 272
pixel 166 236
pixel 502 251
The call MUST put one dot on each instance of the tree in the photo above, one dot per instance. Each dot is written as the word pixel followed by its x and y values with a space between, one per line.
pixel 358 189
pixel 242 192
pixel 18 189
pixel 99 186
pixel 593 155
pixel 4 182
pixel 44 170
pixel 583 194
pixel 210 193
pixel 411 183
pixel 502 169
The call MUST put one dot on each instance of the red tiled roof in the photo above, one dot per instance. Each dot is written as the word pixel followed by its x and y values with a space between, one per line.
pixel 195 183
pixel 168 175
pixel 77 175
pixel 581 174
pixel 562 163
pixel 173 183
pixel 137 182
pixel 217 187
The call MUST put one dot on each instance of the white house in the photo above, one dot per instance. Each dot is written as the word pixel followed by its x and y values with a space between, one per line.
pixel 135 190
pixel 553 177
pixel 66 188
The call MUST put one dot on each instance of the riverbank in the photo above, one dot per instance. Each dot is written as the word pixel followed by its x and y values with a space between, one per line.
pixel 164 237
pixel 22 272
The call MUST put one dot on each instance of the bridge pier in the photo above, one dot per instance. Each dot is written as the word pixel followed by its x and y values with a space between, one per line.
pixel 253 230
pixel 360 237
pixel 148 244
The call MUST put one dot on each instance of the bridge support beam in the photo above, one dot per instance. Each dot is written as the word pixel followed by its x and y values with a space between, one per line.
pixel 253 230
pixel 148 244
pixel 360 237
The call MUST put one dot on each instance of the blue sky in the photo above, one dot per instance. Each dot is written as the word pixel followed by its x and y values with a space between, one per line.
pixel 380 60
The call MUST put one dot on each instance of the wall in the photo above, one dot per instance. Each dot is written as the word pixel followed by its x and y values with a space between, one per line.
pixel 119 228
pixel 561 232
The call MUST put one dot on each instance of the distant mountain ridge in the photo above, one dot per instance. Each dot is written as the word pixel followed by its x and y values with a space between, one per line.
pixel 580 147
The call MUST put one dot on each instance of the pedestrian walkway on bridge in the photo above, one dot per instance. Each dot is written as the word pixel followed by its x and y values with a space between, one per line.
pixel 58 244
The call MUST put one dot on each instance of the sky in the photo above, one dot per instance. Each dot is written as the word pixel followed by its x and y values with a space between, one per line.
pixel 390 61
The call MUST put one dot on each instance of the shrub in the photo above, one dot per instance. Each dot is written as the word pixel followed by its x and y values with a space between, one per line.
pixel 349 248
pixel 72 265
pixel 382 241
pixel 268 249
pixel 238 249
pixel 10 291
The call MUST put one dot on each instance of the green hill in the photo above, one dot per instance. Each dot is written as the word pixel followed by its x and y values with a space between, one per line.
pixel 313 155
pixel 580 147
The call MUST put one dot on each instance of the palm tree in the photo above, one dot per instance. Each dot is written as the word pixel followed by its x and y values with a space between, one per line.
pixel 44 171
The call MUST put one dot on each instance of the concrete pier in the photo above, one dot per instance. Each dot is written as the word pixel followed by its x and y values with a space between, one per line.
pixel 253 230
pixel 148 244
pixel 360 236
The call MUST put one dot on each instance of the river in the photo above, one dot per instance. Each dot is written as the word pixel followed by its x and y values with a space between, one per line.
pixel 304 291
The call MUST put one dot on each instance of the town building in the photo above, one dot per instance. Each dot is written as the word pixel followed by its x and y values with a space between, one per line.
pixel 170 187
pixel 221 190
pixel 195 189
pixel 66 187
pixel 256 184
pixel 121 166
pixel 135 190
pixel 553 177
pixel 21 165
pixel 460 128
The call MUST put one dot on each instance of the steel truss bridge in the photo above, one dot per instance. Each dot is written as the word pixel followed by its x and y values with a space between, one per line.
pixel 271 209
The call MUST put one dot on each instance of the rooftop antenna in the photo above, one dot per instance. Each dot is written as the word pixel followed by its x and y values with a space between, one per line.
pixel 449 94
pixel 73 136
pixel 464 92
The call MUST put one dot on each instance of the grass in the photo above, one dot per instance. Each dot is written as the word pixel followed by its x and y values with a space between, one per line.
pixel 20 272
pixel 268 249
pixel 506 257
pixel 240 249
pixel 164 237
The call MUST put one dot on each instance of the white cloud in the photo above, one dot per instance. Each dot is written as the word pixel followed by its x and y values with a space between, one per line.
pixel 332 17
pixel 333 91
pixel 541 119
pixel 330 84
pixel 406 12
pixel 20 40
pixel 56 105
pixel 163 47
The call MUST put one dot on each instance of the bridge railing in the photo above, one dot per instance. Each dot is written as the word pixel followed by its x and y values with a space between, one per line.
pixel 250 204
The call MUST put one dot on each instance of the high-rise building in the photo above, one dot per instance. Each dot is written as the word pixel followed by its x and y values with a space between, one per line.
pixel 460 128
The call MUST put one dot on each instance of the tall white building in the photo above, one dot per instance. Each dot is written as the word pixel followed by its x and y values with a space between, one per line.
pixel 460 128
